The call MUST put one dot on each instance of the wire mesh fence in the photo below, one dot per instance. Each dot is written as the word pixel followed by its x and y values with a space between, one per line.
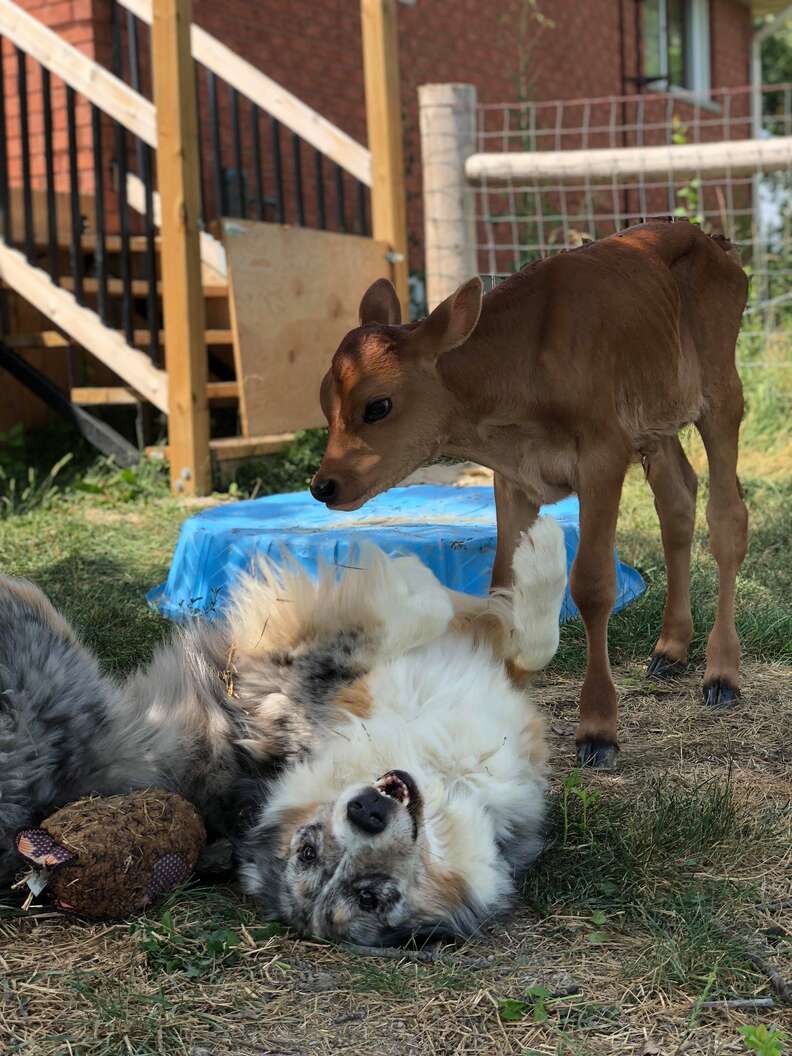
pixel 519 220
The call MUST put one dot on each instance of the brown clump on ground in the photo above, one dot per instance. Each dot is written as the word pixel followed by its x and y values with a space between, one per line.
pixel 128 850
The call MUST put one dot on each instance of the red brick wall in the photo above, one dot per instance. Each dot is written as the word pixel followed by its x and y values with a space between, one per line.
pixel 314 49
pixel 730 28
pixel 75 21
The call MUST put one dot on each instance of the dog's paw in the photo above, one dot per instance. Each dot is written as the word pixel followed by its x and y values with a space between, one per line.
pixel 541 555
pixel 540 575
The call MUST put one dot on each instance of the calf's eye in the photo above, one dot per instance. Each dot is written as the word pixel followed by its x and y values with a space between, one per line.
pixel 377 410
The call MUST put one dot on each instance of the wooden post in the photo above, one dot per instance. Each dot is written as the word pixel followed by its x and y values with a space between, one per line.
pixel 182 291
pixel 448 138
pixel 383 119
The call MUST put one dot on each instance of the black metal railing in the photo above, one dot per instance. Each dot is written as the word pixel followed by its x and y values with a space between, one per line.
pixel 248 171
pixel 24 143
pixel 65 206
pixel 142 158
pixel 100 230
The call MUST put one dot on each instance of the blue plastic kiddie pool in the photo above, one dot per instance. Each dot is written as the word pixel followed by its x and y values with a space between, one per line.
pixel 451 529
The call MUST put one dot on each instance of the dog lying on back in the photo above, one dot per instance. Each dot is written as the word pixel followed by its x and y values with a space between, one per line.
pixel 362 738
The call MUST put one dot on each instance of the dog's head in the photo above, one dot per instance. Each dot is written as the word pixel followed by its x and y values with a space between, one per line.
pixel 385 404
pixel 358 869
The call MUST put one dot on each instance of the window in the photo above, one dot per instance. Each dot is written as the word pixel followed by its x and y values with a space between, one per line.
pixel 676 45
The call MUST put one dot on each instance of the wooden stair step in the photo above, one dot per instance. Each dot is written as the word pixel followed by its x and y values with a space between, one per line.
pixel 229 448
pixel 139 287
pixel 94 396
pixel 113 395
pixel 54 339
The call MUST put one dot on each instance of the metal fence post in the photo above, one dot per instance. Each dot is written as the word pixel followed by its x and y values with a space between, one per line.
pixel 448 137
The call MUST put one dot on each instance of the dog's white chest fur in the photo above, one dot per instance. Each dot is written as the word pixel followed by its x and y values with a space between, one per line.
pixel 448 715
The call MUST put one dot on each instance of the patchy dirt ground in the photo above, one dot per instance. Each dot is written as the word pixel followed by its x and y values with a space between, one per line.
pixel 658 921
pixel 586 965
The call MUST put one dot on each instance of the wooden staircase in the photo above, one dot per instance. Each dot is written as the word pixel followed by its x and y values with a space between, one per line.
pixel 144 181
pixel 28 328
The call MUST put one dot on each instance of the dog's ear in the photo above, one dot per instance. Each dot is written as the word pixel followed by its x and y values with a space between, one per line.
pixel 458 925
pixel 452 322
pixel 261 865
pixel 380 305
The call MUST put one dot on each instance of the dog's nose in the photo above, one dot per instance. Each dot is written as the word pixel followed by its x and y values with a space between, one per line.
pixel 369 812
pixel 323 490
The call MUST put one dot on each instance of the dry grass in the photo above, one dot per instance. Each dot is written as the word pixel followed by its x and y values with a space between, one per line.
pixel 632 922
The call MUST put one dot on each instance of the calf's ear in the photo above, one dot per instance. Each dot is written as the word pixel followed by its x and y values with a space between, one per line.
pixel 452 322
pixel 380 305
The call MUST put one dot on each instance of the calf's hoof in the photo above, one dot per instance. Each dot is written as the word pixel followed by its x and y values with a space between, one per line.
pixel 597 755
pixel 661 666
pixel 718 693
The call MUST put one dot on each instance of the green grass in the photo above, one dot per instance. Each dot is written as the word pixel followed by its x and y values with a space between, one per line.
pixel 97 538
pixel 96 553
pixel 177 939
pixel 645 867
pixel 764 584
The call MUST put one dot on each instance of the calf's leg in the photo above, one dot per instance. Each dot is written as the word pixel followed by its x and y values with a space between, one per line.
pixel 674 484
pixel 515 514
pixel 727 518
pixel 593 587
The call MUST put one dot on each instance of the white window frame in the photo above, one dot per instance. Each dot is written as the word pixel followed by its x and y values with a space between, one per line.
pixel 697 58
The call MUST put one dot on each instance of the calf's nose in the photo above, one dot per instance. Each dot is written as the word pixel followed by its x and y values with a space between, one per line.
pixel 323 490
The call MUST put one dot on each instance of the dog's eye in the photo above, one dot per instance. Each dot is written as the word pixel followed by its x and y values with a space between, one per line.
pixel 307 853
pixel 377 410
pixel 367 901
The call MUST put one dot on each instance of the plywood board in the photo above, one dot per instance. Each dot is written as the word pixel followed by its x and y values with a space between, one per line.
pixel 294 293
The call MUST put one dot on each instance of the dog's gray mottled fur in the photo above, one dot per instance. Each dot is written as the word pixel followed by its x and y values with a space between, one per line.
pixel 199 719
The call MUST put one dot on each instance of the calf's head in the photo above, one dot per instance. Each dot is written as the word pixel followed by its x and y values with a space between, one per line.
pixel 386 406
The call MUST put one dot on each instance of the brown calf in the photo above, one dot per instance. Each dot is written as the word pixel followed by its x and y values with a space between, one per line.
pixel 558 379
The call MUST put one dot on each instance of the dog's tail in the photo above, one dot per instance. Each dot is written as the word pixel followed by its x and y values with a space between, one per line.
pixel 390 604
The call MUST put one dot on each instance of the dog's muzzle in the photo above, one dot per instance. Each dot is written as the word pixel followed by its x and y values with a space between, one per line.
pixel 369 811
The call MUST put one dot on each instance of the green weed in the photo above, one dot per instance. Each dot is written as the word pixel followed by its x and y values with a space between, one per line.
pixel 107 484
pixel 289 470
pixel 31 491
pixel 764 1041
pixel 587 798
pixel 534 1004
pixel 197 944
